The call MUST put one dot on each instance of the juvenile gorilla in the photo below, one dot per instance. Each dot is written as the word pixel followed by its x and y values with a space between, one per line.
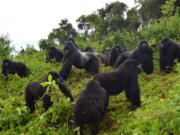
pixel 12 67
pixel 34 91
pixel 82 60
pixel 143 53
pixel 169 51
pixel 125 77
pixel 113 54
pixel 54 53
pixel 90 107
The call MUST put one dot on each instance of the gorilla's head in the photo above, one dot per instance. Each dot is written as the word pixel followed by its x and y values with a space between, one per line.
pixel 117 50
pixel 143 44
pixel 165 43
pixel 131 64
pixel 93 84
pixel 52 49
pixel 69 48
pixel 55 76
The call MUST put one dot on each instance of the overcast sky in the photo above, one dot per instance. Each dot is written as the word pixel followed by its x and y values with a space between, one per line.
pixel 28 21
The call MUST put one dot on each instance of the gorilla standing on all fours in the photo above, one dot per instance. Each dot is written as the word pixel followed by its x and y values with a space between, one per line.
pixel 113 54
pixel 35 91
pixel 54 53
pixel 169 51
pixel 12 67
pixel 91 107
pixel 125 77
pixel 143 53
pixel 82 60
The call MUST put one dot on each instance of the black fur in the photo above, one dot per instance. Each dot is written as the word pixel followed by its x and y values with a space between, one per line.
pixel 113 54
pixel 90 107
pixel 34 91
pixel 82 60
pixel 169 51
pixel 88 49
pixel 54 53
pixel 125 77
pixel 12 67
pixel 143 53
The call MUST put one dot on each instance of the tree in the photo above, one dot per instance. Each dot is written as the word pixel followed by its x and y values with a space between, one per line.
pixel 150 9
pixel 64 31
pixel 5 49
pixel 44 44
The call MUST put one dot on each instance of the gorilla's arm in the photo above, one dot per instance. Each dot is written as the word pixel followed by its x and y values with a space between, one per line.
pixel 66 92
pixel 66 69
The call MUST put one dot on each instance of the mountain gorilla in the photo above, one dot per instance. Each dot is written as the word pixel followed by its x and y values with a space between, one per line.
pixel 143 53
pixel 169 51
pixel 12 67
pixel 90 107
pixel 82 60
pixel 113 54
pixel 54 53
pixel 34 91
pixel 125 77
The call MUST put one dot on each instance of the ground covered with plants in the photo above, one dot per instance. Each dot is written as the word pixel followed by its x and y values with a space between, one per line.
pixel 159 113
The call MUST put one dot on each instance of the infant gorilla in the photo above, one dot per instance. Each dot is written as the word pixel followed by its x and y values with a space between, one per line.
pixel 90 107
pixel 35 91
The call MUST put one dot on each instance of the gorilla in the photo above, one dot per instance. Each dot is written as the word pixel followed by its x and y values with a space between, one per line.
pixel 12 67
pixel 54 53
pixel 169 51
pixel 34 91
pixel 143 53
pixel 82 60
pixel 102 58
pixel 125 77
pixel 113 54
pixel 88 49
pixel 90 107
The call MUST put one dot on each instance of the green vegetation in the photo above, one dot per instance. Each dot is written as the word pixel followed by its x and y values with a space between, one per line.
pixel 160 92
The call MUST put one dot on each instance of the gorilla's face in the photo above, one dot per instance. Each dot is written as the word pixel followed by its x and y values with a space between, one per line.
pixel 55 77
pixel 118 50
pixel 143 44
pixel 69 49
pixel 164 44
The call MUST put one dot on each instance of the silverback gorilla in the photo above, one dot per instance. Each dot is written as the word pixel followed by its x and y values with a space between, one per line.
pixel 143 53
pixel 125 77
pixel 54 53
pixel 12 67
pixel 35 91
pixel 169 51
pixel 82 60
pixel 113 54
pixel 90 107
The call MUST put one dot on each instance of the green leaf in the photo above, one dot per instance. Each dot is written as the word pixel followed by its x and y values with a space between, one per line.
pixel 44 84
pixel 49 78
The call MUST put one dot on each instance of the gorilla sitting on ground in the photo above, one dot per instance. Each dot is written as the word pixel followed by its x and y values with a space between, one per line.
pixel 169 51
pixel 12 67
pixel 125 77
pixel 54 53
pixel 82 60
pixel 113 54
pixel 143 53
pixel 91 107
pixel 34 91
